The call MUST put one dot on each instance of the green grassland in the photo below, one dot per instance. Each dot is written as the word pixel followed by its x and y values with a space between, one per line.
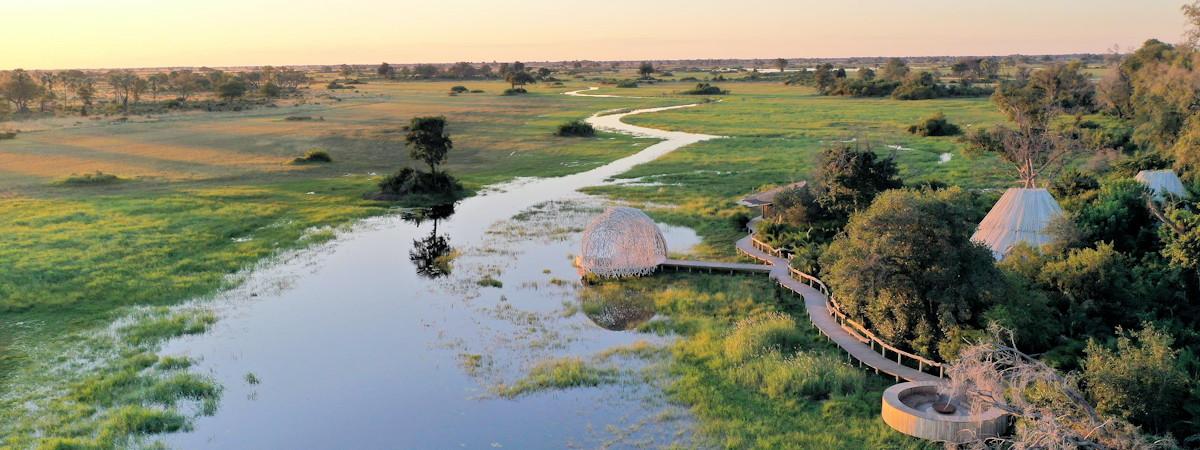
pixel 774 134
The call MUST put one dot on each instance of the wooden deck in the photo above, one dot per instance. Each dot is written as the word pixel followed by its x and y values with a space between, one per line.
pixel 856 346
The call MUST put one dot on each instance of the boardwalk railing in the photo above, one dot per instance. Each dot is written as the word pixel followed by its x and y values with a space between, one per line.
pixel 835 309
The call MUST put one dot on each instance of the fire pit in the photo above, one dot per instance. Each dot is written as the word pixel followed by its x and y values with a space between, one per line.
pixel 916 409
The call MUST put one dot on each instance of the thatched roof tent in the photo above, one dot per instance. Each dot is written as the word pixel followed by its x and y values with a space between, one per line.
pixel 767 197
pixel 1021 215
pixel 1162 182
pixel 622 242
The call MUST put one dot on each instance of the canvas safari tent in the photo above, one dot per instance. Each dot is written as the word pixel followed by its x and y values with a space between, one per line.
pixel 1161 183
pixel 1021 215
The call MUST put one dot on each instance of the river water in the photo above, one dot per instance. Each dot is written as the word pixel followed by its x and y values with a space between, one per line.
pixel 385 337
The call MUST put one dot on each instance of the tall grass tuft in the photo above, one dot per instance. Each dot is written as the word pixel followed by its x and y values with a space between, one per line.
pixel 763 334
pixel 559 373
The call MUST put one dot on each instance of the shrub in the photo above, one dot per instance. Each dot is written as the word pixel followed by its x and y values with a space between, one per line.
pixel 515 91
pixel 705 89
pixel 459 89
pixel 576 128
pixel 627 84
pixel 8 135
pixel 763 334
pixel 935 125
pixel 315 155
pixel 414 182
pixel 298 118
pixel 91 179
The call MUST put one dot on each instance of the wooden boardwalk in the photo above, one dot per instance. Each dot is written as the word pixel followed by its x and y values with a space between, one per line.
pixel 680 265
pixel 857 346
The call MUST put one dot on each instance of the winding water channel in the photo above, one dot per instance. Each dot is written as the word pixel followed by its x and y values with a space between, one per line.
pixel 385 337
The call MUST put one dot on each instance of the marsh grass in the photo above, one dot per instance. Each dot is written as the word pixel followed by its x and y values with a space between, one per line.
pixel 558 373
pixel 752 373
pixel 489 281
pixel 128 392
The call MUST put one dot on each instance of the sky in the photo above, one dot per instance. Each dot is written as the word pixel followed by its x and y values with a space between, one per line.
pixel 61 34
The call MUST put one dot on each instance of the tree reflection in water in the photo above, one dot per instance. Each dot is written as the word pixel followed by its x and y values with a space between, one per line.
pixel 432 255
pixel 616 309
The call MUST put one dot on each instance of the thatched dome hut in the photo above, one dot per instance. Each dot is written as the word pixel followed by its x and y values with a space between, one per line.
pixel 1021 215
pixel 622 242
pixel 1161 183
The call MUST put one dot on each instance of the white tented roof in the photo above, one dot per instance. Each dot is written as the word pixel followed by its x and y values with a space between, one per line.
pixel 1162 182
pixel 1021 215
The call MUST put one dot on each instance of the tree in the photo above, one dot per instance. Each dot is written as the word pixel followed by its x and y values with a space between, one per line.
pixel 1094 288
pixel 646 69
pixel 849 179
pixel 183 82
pixel 520 78
pixel 1141 381
pixel 866 74
pixel 1032 147
pixel 231 90
pixel 20 89
pixel 428 141
pixel 781 63
pixel 86 93
pixel 894 70
pixel 271 90
pixel 122 83
pixel 1066 87
pixel 1050 410
pixel 157 82
pixel 386 70
pixel 825 78
pixel 1114 93
pixel 139 86
pixel 906 266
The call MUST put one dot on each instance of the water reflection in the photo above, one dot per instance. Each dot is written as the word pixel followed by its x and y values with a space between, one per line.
pixel 432 255
pixel 616 309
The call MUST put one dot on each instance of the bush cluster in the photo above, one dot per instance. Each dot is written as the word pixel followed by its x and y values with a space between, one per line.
pixel 705 89
pixel 315 155
pixel 935 125
pixel 575 128
pixel 414 182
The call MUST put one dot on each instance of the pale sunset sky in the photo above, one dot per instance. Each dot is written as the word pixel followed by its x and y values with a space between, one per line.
pixel 59 34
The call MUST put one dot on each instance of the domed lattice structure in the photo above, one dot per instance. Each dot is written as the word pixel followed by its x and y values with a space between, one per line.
pixel 622 242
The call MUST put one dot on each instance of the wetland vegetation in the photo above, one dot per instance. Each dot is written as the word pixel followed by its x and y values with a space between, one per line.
pixel 121 217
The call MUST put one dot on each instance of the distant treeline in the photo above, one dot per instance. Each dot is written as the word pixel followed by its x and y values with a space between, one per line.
pixel 28 93
pixel 896 80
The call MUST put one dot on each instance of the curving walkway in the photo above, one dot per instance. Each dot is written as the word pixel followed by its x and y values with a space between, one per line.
pixel 816 302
